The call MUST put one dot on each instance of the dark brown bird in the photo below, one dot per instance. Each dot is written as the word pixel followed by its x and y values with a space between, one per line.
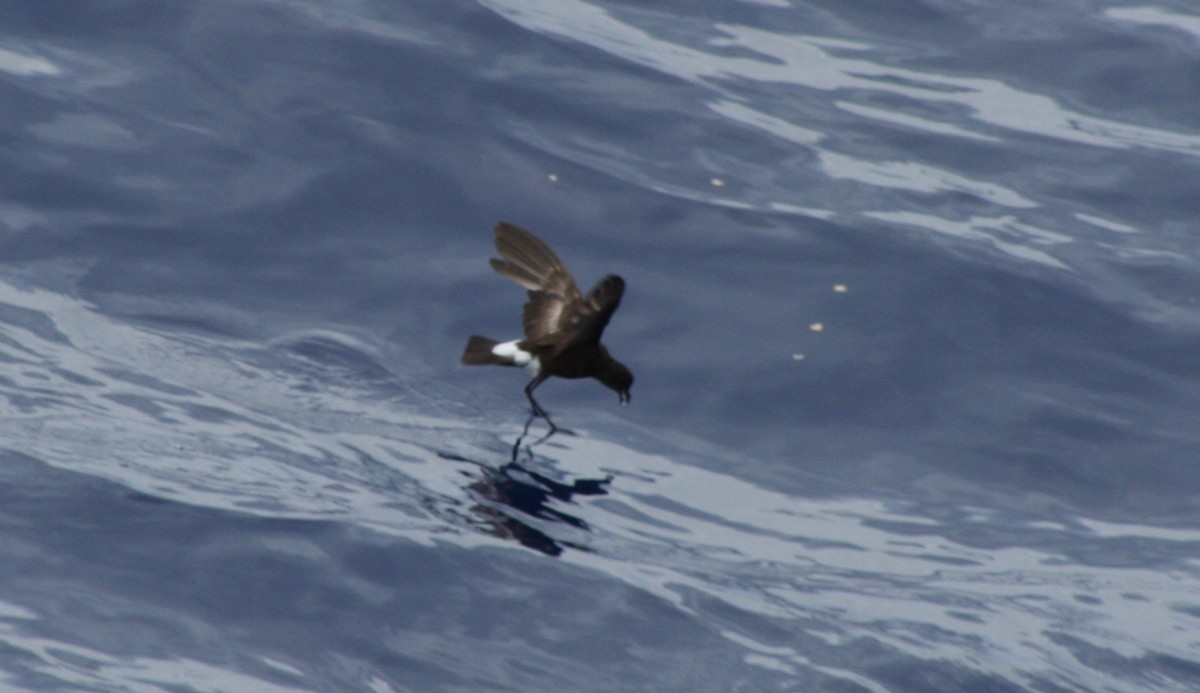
pixel 562 328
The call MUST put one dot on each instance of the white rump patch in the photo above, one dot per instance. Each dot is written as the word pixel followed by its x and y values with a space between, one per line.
pixel 518 356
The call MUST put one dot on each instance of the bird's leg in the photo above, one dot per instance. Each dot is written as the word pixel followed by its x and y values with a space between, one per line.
pixel 537 411
pixel 537 408
pixel 517 445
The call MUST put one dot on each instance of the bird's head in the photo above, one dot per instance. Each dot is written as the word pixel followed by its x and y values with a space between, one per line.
pixel 619 378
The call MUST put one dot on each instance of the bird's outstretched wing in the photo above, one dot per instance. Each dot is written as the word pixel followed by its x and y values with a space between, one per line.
pixel 554 298
pixel 599 306
pixel 555 305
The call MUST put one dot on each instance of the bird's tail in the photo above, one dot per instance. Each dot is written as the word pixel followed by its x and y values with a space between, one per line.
pixel 479 352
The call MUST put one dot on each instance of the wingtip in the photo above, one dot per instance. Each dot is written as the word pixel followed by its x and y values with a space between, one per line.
pixel 504 228
pixel 510 236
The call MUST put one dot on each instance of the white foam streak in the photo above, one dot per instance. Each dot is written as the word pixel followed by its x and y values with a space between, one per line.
pixel 26 65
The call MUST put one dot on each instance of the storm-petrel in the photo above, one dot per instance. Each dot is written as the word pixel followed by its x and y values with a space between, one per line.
pixel 562 328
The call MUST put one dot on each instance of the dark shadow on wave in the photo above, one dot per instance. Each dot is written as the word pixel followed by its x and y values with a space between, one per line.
pixel 511 502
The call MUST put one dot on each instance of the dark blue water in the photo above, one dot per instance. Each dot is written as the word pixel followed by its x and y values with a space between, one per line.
pixel 913 304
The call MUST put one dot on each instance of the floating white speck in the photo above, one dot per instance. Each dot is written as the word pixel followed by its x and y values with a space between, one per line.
pixel 839 288
pixel 816 327
pixel 553 177
pixel 717 183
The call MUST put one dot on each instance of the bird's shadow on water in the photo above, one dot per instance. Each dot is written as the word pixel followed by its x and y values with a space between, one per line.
pixel 513 501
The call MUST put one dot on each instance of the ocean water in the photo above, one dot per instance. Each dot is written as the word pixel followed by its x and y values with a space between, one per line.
pixel 913 305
